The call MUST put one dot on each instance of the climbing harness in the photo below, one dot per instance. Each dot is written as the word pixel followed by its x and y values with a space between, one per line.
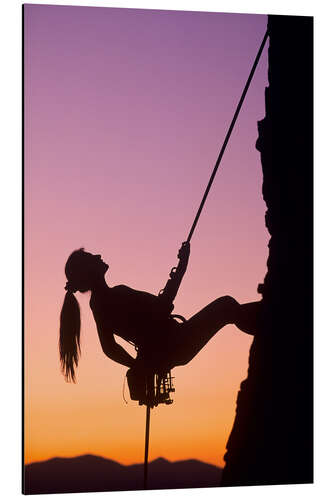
pixel 157 387
pixel 151 388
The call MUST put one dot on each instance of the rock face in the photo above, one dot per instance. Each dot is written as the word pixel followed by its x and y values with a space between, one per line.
pixel 272 438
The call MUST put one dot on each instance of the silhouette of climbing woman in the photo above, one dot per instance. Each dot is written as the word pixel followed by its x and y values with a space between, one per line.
pixel 141 318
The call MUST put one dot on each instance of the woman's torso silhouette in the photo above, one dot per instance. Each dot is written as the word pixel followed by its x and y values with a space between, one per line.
pixel 137 317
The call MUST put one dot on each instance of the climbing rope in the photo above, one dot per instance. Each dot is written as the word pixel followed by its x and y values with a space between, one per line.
pixel 145 469
pixel 209 185
pixel 227 137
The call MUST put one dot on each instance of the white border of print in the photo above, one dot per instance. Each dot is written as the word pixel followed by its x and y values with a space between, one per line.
pixel 10 210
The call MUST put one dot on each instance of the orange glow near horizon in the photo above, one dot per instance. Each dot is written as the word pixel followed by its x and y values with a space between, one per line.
pixel 118 152
pixel 64 419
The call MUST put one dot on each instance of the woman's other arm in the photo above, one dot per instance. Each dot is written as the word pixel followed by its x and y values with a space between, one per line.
pixel 113 350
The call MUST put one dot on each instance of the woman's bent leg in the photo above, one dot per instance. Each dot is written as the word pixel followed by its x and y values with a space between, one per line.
pixel 200 328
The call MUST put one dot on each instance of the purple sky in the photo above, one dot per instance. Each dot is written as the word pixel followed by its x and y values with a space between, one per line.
pixel 126 111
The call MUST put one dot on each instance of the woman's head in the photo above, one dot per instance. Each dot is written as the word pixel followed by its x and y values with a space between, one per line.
pixel 83 270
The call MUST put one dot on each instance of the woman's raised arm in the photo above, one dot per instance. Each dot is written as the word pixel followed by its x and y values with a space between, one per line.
pixel 170 290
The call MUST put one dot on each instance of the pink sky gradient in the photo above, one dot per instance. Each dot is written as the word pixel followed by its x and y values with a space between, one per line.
pixel 125 114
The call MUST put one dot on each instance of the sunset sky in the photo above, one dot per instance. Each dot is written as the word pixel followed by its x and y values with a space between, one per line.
pixel 125 114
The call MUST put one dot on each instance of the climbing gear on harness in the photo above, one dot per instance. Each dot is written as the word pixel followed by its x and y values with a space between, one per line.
pixel 148 386
pixel 150 389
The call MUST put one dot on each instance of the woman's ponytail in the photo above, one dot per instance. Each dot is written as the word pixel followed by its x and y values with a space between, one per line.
pixel 69 338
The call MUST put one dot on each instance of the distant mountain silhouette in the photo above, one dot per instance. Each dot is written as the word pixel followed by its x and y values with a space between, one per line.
pixel 88 473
